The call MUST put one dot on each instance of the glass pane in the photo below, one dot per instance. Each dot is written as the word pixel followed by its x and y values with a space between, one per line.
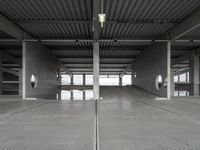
pixel 65 95
pixel 77 95
pixel 176 78
pixel 78 79
pixel 88 94
pixel 126 80
pixel 182 93
pixel 65 80
pixel 183 77
pixel 89 80
pixel 175 93
pixel 109 81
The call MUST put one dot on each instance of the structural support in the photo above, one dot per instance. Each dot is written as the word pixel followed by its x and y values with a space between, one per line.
pixel 96 70
pixel 120 81
pixel 169 70
pixel 1 73
pixel 196 75
pixel 172 83
pixel 72 83
pixel 191 23
pixel 84 85
pixel 20 82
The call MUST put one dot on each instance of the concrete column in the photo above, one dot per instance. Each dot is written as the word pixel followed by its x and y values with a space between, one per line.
pixel 20 82
pixel 1 74
pixel 96 70
pixel 120 81
pixel 169 70
pixel 59 83
pixel 72 83
pixel 172 83
pixel 84 84
pixel 196 75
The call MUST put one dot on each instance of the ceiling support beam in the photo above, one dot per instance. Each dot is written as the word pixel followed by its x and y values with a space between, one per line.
pixel 127 69
pixel 8 70
pixel 185 56
pixel 153 21
pixel 191 23
pixel 102 40
pixel 11 29
pixel 8 57
pixel 8 27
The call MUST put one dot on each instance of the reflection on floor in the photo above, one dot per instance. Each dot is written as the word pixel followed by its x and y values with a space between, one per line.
pixel 129 119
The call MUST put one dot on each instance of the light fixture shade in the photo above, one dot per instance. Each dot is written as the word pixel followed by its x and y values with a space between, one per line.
pixel 102 19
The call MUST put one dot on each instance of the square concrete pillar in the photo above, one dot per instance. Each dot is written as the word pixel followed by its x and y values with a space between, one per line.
pixel 194 75
pixel 20 82
pixel 1 74
pixel 96 70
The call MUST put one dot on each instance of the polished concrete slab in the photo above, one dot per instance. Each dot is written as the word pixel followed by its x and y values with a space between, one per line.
pixel 141 122
pixel 46 125
pixel 128 119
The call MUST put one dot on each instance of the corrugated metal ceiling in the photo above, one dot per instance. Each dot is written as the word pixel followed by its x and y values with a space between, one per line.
pixel 128 19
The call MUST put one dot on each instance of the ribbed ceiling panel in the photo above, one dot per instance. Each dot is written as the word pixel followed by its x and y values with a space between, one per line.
pixel 46 9
pixel 58 30
pixel 134 30
pixel 149 9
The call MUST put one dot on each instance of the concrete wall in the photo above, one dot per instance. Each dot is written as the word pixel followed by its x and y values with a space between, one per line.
pixel 40 61
pixel 1 73
pixel 152 62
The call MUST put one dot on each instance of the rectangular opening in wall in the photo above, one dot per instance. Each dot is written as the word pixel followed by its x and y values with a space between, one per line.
pixel 65 80
pixel 65 95
pixel 88 94
pixel 126 80
pixel 89 79
pixel 109 80
pixel 78 79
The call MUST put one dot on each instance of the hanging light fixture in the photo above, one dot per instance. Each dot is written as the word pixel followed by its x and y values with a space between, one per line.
pixel 102 16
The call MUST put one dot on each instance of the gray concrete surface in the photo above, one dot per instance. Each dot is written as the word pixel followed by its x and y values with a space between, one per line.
pixel 153 61
pixel 39 61
pixel 46 125
pixel 129 119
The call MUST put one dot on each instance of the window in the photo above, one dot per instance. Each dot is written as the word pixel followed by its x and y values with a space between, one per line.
pixel 176 78
pixel 126 80
pixel 77 95
pixel 109 80
pixel 78 79
pixel 65 80
pixel 182 77
pixel 89 79
pixel 65 95
pixel 88 94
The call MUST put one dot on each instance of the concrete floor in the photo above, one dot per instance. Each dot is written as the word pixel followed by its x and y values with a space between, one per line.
pixel 129 119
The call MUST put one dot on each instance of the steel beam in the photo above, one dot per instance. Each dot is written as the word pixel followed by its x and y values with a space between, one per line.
pixel 8 57
pixel 11 29
pixel 191 23
pixel 152 21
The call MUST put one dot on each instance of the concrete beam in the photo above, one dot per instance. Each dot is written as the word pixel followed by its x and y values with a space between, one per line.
pixel 10 28
pixel 65 69
pixel 185 56
pixel 8 57
pixel 191 23
pixel 128 68
pixel 8 70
